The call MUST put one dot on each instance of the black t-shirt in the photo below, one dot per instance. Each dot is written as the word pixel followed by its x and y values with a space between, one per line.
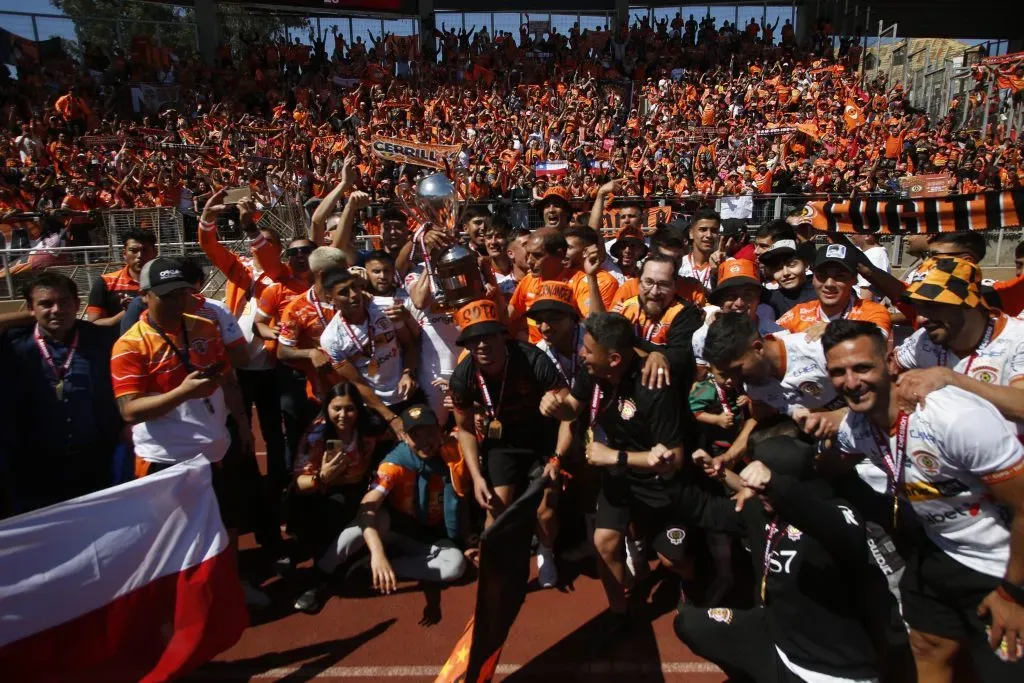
pixel 781 300
pixel 635 418
pixel 529 376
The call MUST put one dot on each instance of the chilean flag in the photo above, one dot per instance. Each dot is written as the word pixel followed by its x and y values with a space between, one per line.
pixel 133 583
pixel 552 168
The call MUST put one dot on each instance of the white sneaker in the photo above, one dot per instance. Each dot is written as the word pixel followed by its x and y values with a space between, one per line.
pixel 547 570
pixel 255 597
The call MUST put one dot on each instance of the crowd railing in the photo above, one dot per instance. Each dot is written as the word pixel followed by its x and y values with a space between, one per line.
pixel 176 233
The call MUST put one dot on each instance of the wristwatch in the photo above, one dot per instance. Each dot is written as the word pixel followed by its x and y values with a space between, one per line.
pixel 622 459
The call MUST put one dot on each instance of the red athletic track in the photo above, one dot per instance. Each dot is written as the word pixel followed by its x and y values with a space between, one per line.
pixel 361 636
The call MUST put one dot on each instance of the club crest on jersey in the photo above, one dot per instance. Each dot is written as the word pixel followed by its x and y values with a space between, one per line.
pixel 926 462
pixel 986 374
pixel 675 535
pixel 627 409
pixel 793 533
pixel 199 346
pixel 811 389
pixel 721 614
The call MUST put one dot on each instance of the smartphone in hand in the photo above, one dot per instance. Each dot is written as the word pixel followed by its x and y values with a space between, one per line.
pixel 213 370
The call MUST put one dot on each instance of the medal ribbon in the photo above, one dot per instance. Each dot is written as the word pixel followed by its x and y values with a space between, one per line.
pixel 44 351
pixel 722 398
pixel 319 311
pixel 355 340
pixel 894 461
pixel 769 547
pixel 986 339
pixel 703 278
pixel 492 410
pixel 844 315
pixel 549 350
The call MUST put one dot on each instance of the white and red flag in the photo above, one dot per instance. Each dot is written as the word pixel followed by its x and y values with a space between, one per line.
pixel 133 583
pixel 551 168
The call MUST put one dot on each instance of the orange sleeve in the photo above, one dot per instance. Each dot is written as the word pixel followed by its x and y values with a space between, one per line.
pixel 1011 295
pixel 388 476
pixel 608 286
pixel 270 301
pixel 878 314
pixel 518 299
pixel 626 290
pixel 127 366
pixel 222 258
pixel 269 260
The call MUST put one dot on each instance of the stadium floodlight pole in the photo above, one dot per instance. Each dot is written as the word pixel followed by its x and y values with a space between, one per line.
pixel 988 103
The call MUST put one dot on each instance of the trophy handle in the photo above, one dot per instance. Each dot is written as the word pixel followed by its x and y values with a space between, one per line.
pixel 460 179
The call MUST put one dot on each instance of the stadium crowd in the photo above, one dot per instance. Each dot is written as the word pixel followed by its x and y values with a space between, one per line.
pixel 682 386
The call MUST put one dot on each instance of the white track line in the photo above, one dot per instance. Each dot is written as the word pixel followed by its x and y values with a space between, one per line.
pixel 597 667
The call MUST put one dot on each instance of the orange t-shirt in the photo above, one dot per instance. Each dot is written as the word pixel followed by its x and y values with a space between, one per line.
pixel 1011 295
pixel 806 315
pixel 528 288
pixel 400 485
pixel 302 322
pixel 687 289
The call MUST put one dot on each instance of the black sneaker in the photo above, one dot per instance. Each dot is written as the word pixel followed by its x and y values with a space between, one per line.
pixel 314 599
pixel 612 630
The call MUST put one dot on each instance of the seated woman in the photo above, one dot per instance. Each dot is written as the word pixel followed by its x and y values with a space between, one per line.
pixel 423 481
pixel 332 468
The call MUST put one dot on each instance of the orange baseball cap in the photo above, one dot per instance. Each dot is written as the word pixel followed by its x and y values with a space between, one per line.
pixel 736 272
pixel 556 193
pixel 478 319
pixel 554 296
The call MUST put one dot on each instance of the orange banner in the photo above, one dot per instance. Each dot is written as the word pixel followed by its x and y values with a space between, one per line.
pixel 408 152
pixel 959 213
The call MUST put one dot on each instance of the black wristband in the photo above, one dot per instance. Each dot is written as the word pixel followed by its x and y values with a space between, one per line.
pixel 1014 591
pixel 622 459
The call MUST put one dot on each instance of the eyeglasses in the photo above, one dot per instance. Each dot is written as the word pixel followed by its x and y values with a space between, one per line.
pixel 305 250
pixel 657 284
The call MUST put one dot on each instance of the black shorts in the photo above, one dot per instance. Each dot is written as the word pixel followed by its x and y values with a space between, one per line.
pixel 649 506
pixel 509 465
pixel 941 597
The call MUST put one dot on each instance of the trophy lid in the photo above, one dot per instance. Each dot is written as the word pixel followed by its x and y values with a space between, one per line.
pixel 435 188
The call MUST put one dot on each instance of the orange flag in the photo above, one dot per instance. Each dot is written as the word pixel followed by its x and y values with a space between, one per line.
pixel 853 115
pixel 455 669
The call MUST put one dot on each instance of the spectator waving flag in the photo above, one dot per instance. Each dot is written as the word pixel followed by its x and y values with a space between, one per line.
pixel 853 115
pixel 551 168
pixel 132 583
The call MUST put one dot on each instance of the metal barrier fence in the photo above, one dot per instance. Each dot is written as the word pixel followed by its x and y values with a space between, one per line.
pixel 176 236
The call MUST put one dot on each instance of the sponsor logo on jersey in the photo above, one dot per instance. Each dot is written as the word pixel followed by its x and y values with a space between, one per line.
pixel 955 512
pixel 986 374
pixel 921 491
pixel 627 409
pixel 199 346
pixel 811 389
pixel 922 435
pixel 793 533
pixel 721 614
pixel 926 462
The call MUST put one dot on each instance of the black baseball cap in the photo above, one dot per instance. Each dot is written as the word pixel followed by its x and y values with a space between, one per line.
pixel 418 415
pixel 839 254
pixel 163 276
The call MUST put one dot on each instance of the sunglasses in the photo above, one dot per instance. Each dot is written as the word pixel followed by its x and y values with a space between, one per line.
pixel 304 250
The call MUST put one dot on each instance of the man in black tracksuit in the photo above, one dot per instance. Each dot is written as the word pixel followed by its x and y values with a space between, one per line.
pixel 812 571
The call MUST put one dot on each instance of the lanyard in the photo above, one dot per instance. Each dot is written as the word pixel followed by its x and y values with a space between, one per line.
pixel 595 403
pixel 844 315
pixel 183 356
pixel 319 310
pixel 894 461
pixel 703 277
pixel 648 329
pixel 722 398
pixel 492 409
pixel 44 351
pixel 986 339
pixel 355 340
pixel 550 351
pixel 769 547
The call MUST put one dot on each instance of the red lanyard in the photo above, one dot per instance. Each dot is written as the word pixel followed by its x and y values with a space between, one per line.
pixel 550 351
pixel 355 340
pixel 319 311
pixel 769 547
pixel 722 398
pixel 986 339
pixel 44 351
pixel 703 277
pixel 492 409
pixel 894 461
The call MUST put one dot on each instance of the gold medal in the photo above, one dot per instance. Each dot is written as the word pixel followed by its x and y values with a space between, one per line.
pixel 494 429
pixel 764 588
pixel 895 511
pixel 588 437
pixel 59 388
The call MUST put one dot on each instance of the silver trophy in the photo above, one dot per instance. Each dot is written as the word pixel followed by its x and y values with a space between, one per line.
pixel 454 272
